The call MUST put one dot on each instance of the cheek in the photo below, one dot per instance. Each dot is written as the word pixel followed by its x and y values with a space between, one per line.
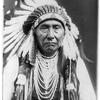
pixel 40 37
pixel 60 37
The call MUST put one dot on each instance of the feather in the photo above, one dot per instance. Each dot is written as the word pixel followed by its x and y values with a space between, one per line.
pixel 45 2
pixel 18 19
pixel 36 3
pixel 72 50
pixel 20 50
pixel 12 28
pixel 25 46
pixel 8 48
pixel 20 12
pixel 13 22
pixel 15 49
pixel 72 47
pixel 13 39
pixel 28 8
pixel 32 49
pixel 75 47
pixel 10 35
pixel 29 2
pixel 26 50
pixel 66 47
pixel 74 30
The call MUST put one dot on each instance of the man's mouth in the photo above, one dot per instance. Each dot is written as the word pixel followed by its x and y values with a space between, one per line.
pixel 49 44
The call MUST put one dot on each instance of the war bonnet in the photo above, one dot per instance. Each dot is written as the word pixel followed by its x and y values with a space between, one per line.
pixel 18 31
pixel 43 13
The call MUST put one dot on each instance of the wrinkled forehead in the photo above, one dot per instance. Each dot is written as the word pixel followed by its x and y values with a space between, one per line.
pixel 51 22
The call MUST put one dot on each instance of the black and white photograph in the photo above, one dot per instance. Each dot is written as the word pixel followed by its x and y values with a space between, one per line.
pixel 50 50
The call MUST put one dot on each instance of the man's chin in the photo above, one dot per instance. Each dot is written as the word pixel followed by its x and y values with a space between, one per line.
pixel 50 50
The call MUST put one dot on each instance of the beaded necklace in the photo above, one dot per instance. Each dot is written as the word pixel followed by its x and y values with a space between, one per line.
pixel 46 76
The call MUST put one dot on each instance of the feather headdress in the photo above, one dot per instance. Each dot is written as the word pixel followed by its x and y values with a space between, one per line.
pixel 18 32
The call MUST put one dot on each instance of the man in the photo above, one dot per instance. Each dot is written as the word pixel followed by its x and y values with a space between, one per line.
pixel 44 61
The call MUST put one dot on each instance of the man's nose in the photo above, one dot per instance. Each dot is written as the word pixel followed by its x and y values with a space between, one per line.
pixel 50 35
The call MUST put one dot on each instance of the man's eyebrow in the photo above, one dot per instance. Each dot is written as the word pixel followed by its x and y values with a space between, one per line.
pixel 57 25
pixel 47 25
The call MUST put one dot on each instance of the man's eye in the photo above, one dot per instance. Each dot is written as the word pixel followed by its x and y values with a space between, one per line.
pixel 43 27
pixel 57 27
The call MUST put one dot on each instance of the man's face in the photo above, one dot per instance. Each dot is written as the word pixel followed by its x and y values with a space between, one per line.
pixel 50 35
